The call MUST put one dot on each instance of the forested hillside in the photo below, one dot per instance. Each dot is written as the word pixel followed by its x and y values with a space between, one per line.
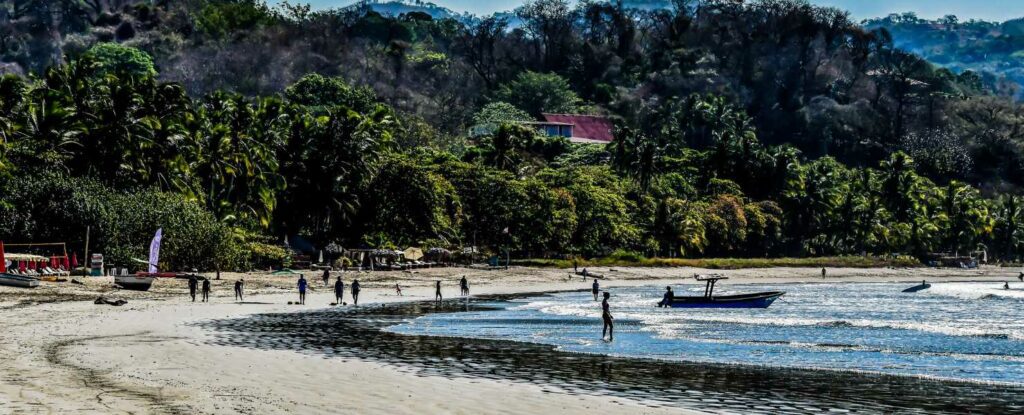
pixel 767 128
pixel 994 50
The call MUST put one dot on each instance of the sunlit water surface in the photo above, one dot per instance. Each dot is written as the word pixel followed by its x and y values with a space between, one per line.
pixel 960 331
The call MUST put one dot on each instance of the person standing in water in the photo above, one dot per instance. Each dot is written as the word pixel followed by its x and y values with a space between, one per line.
pixel 302 289
pixel 339 291
pixel 596 289
pixel 606 315
pixel 238 290
pixel 464 286
pixel 193 285
pixel 437 293
pixel 355 292
pixel 206 290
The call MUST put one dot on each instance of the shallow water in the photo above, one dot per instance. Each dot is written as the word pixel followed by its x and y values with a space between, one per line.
pixel 365 333
pixel 955 331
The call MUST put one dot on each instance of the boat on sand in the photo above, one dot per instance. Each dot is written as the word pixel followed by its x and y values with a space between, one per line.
pixel 709 300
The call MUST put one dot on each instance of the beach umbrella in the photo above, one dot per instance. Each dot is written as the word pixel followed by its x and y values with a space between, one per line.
pixel 53 262
pixel 32 265
pixel 66 264
pixel 21 266
pixel 3 261
pixel 321 261
pixel 413 253
pixel 74 260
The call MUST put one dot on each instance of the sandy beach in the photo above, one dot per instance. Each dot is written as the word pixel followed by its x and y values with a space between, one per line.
pixel 63 353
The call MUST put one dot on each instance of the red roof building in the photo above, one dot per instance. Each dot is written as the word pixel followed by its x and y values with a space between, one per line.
pixel 585 129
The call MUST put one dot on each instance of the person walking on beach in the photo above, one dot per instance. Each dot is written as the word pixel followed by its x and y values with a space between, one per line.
pixel 238 290
pixel 327 277
pixel 398 289
pixel 584 274
pixel 606 315
pixel 302 289
pixel 206 290
pixel 193 285
pixel 823 272
pixel 596 289
pixel 437 293
pixel 464 286
pixel 339 291
pixel 666 300
pixel 355 292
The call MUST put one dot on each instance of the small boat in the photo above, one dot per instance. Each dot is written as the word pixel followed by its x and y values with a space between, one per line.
pixel 752 300
pixel 142 281
pixel 920 287
pixel 21 281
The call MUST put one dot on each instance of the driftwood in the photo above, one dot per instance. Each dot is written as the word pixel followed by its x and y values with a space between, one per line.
pixel 107 301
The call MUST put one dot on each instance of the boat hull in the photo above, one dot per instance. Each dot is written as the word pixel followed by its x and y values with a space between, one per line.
pixel 134 282
pixel 756 300
pixel 19 281
pixel 917 288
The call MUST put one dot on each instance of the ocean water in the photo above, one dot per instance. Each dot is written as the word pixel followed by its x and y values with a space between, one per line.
pixel 970 332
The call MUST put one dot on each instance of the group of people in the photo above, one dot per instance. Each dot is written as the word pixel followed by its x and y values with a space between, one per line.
pixel 339 288
pixel 194 284
pixel 303 286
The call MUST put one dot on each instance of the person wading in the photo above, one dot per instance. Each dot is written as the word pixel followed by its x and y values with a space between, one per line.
pixel 666 300
pixel 302 289
pixel 606 315
pixel 339 291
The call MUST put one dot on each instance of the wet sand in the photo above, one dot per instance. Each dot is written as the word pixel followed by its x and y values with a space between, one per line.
pixel 160 354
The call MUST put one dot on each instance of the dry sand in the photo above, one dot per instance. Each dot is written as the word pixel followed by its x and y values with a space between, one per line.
pixel 61 353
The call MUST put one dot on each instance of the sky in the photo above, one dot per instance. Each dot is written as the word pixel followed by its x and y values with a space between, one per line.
pixel 997 10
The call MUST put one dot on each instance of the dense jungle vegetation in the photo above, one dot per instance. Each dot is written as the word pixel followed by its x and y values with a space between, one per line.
pixel 767 128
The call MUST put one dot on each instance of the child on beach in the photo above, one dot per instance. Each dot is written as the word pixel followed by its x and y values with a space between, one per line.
pixel 302 289
pixel 398 289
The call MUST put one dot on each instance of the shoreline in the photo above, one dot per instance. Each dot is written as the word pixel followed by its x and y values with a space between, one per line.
pixel 65 354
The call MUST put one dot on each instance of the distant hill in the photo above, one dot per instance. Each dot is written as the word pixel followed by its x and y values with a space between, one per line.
pixel 984 47
pixel 399 7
